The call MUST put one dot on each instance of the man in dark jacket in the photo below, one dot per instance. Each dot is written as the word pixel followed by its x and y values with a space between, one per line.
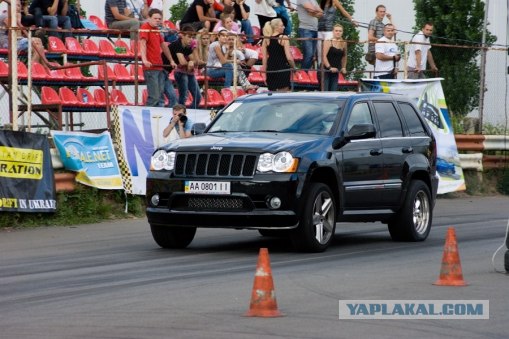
pixel 54 15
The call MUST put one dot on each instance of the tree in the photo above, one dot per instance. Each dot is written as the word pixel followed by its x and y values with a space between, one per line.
pixel 456 22
pixel 178 10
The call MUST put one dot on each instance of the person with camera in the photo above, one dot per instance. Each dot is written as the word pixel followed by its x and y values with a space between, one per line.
pixel 180 122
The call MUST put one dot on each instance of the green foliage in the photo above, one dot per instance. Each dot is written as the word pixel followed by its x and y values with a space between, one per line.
pixel 178 10
pixel 456 23
pixel 489 129
pixel 82 206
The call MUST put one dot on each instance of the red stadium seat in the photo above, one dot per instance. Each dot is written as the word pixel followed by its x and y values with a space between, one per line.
pixel 132 68
pixel 122 73
pixel 58 74
pixel 122 44
pixel 39 72
pixel 22 70
pixel 55 45
pixel 227 95
pixel 49 96
pixel 85 97
pixel 313 77
pixel 100 96
pixel 4 69
pixel 215 98
pixel 301 77
pixel 73 73
pixel 169 24
pixel 98 22
pixel 106 49
pixel 118 97
pixel 68 97
pixel 73 46
pixel 296 53
pixel 90 47
pixel 144 96
pixel 110 73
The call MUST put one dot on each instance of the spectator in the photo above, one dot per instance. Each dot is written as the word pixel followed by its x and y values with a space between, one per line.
pixel 179 122
pixel 118 16
pixel 38 54
pixel 264 10
pixel 242 12
pixel 420 53
pixel 277 57
pixel 308 12
pixel 184 55
pixel 200 14
pixel 168 89
pixel 376 31
pixel 282 13
pixel 218 66
pixel 202 49
pixel 387 55
pixel 326 22
pixel 139 8
pixel 334 58
pixel 226 21
pixel 54 15
pixel 236 56
pixel 151 47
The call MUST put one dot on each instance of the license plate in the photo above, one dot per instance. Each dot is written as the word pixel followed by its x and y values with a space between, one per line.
pixel 207 187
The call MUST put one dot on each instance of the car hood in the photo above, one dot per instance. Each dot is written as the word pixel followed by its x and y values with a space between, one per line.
pixel 244 141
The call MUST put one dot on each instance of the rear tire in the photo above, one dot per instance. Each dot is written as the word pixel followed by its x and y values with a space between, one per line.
pixel 413 220
pixel 318 221
pixel 172 237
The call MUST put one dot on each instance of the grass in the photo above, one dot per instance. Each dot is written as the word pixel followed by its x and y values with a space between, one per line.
pixel 85 205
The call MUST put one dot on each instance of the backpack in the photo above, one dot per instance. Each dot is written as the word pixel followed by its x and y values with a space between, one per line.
pixel 74 15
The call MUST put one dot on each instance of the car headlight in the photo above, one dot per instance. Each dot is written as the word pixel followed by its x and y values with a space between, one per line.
pixel 162 160
pixel 280 162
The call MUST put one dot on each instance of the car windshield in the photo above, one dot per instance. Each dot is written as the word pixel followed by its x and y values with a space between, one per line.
pixel 282 116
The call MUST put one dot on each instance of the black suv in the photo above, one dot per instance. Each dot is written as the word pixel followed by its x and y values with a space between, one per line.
pixel 294 164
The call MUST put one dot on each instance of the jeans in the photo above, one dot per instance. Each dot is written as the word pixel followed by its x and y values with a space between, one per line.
pixel 226 71
pixel 168 90
pixel 287 20
pixel 386 76
pixel 187 82
pixel 248 30
pixel 331 81
pixel 53 22
pixel 154 79
pixel 308 47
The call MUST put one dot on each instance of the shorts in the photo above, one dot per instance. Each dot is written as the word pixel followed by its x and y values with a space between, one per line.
pixel 22 45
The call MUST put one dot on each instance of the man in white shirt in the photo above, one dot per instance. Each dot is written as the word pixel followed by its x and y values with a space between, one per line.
pixel 420 53
pixel 387 55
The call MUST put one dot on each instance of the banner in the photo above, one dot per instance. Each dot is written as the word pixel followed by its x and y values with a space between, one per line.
pixel 428 96
pixel 92 156
pixel 140 132
pixel 27 182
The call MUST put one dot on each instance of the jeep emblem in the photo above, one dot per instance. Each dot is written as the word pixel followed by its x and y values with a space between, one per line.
pixel 216 148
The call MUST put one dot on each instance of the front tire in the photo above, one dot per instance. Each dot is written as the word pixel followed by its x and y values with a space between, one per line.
pixel 318 220
pixel 413 220
pixel 172 237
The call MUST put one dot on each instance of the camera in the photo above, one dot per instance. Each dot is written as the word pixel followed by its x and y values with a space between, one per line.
pixel 183 118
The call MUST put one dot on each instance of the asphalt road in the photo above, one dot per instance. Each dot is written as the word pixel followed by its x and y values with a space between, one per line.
pixel 110 280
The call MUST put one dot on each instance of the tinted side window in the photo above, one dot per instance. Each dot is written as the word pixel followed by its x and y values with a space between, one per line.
pixel 360 115
pixel 388 118
pixel 412 120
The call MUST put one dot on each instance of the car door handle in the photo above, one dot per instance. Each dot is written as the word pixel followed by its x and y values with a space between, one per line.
pixel 408 150
pixel 375 152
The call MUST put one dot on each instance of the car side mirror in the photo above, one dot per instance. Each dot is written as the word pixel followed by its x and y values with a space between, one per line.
pixel 198 128
pixel 361 131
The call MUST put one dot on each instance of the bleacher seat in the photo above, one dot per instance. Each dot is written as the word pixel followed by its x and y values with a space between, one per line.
pixel 58 75
pixel 215 99
pixel 313 77
pixel 100 96
pixel 110 73
pixel 118 97
pixel 98 22
pixel 73 73
pixel 90 47
pixel 73 46
pixel 256 32
pixel 132 70
pixel 122 44
pixel 22 70
pixel 227 95
pixel 106 49
pixel 55 45
pixel 144 96
pixel 85 97
pixel 49 96
pixel 255 76
pixel 39 72
pixel 169 24
pixel 122 73
pixel 68 97
pixel 301 77
pixel 296 53
pixel 4 69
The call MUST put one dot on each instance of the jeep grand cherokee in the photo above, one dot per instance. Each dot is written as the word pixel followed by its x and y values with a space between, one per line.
pixel 294 164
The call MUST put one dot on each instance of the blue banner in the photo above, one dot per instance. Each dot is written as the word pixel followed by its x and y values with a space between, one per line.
pixel 92 156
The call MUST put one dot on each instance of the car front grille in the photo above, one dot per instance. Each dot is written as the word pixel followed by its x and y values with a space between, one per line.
pixel 211 203
pixel 215 164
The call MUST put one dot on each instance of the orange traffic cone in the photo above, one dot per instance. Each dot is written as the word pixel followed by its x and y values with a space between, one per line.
pixel 450 272
pixel 263 298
